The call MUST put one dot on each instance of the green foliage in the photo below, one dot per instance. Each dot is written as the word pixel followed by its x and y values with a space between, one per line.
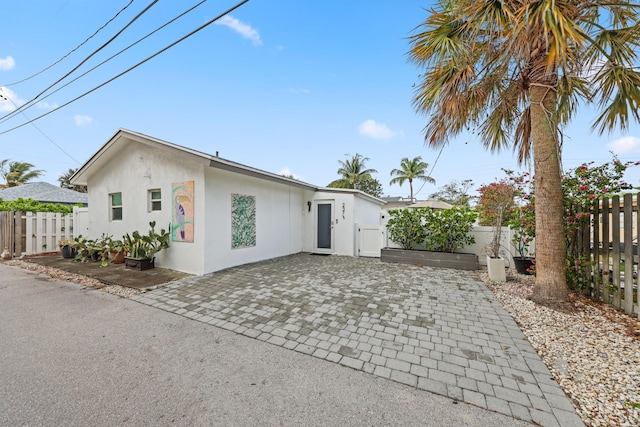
pixel 352 172
pixel 92 249
pixel 448 229
pixel 370 185
pixel 147 245
pixel 30 205
pixel 65 181
pixel 405 227
pixel 411 170
pixel 523 227
pixel 455 193
pixel 18 173
pixel 581 187
pixel 442 230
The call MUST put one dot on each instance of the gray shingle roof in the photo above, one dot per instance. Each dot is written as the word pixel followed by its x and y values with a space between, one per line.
pixel 44 193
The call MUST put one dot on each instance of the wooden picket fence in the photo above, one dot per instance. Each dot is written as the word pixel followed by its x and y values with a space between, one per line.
pixel 28 233
pixel 612 243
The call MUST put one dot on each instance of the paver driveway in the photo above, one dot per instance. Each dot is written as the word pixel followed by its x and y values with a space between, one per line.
pixel 439 330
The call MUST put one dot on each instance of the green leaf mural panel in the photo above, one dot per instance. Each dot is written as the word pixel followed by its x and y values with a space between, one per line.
pixel 243 221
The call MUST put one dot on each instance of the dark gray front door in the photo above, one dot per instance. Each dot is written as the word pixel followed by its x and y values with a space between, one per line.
pixel 324 229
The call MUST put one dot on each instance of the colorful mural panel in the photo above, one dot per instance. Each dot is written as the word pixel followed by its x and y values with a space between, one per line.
pixel 243 221
pixel 182 216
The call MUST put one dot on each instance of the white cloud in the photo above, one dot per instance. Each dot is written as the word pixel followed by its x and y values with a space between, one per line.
pixel 287 172
pixel 375 130
pixel 46 106
pixel 241 28
pixel 82 121
pixel 6 98
pixel 627 144
pixel 7 63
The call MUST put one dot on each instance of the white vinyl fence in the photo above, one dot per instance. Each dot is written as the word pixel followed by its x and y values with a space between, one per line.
pixel 43 231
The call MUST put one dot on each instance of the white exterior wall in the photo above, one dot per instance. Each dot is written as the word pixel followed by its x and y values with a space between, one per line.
pixel 367 211
pixel 280 213
pixel 133 172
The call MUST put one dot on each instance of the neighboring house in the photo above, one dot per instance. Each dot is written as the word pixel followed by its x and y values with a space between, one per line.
pixel 432 204
pixel 44 192
pixel 396 202
pixel 220 213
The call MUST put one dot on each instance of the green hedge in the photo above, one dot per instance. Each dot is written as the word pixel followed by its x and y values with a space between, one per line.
pixel 30 205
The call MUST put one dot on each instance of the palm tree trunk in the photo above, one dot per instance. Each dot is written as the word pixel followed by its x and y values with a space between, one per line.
pixel 411 190
pixel 550 285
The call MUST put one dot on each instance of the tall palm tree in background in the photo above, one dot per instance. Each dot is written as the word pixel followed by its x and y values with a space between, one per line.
pixel 515 71
pixel 65 181
pixel 352 172
pixel 17 173
pixel 410 170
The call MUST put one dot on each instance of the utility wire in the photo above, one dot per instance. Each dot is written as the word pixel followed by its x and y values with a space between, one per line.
pixel 72 50
pixel 123 50
pixel 432 167
pixel 32 100
pixel 206 24
pixel 3 95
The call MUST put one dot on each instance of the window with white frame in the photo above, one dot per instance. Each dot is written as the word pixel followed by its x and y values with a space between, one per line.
pixel 154 199
pixel 115 205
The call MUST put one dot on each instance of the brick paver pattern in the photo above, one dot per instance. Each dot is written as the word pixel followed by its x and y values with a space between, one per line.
pixel 439 330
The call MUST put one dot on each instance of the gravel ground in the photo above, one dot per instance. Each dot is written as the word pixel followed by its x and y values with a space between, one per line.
pixel 84 281
pixel 592 349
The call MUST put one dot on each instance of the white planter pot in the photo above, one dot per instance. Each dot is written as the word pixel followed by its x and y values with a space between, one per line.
pixel 495 267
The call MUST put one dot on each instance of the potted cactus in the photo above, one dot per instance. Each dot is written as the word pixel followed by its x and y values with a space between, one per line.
pixel 144 247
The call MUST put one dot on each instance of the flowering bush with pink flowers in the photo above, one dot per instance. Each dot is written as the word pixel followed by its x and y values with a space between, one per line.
pixel 581 187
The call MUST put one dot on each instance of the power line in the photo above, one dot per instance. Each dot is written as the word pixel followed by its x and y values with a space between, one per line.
pixel 72 50
pixel 206 24
pixel 432 167
pixel 32 100
pixel 7 97
pixel 123 50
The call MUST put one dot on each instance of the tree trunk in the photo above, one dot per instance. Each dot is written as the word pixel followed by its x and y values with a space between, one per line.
pixel 411 190
pixel 550 285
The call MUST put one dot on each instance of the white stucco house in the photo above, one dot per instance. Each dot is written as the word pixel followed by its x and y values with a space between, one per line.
pixel 220 213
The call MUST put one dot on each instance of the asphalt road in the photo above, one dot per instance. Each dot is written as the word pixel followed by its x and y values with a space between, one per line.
pixel 81 357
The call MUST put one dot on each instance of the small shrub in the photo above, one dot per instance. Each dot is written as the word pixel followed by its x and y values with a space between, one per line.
pixel 405 227
pixel 444 230
pixel 448 229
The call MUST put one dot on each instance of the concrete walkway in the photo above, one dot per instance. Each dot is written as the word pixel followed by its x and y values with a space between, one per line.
pixel 438 330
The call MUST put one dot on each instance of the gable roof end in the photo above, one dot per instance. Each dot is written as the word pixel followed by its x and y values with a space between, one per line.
pixel 123 137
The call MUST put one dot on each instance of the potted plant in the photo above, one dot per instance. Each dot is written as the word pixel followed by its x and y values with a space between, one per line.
pixel 67 249
pixel 117 250
pixel 495 263
pixel 144 247
pixel 494 208
pixel 523 230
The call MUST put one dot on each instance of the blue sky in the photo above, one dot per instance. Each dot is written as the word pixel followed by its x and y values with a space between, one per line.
pixel 285 86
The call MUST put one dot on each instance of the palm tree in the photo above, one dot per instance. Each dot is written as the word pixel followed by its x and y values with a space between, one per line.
pixel 65 181
pixel 17 173
pixel 516 71
pixel 353 171
pixel 410 170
